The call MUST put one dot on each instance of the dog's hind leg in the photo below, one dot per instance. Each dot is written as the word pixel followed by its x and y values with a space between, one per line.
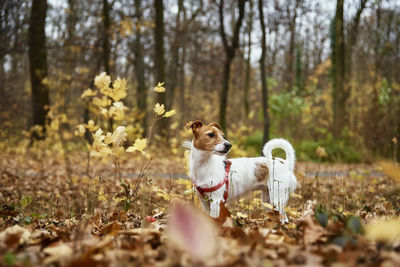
pixel 264 193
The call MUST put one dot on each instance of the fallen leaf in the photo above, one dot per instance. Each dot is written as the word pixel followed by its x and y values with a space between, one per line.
pixel 192 231
pixel 57 252
pixel 313 231
pixel 150 219
pixel 14 236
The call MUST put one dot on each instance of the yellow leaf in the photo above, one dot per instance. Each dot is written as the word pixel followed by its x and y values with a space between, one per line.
pixel 159 109
pixel 159 88
pixel 88 92
pixel 119 89
pixel 242 215
pixel 394 140
pixel 91 126
pixel 117 111
pixel 102 81
pixel 80 130
pixel 296 195
pixel 267 205
pixel 119 135
pixel 101 195
pixel 320 151
pixel 139 145
pixel 101 102
pixel 169 113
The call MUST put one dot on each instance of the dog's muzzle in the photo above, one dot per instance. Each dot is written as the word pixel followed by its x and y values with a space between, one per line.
pixel 227 147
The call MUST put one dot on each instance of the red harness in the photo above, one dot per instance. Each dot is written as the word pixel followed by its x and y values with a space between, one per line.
pixel 203 190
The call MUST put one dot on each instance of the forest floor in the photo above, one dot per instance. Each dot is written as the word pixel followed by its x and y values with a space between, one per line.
pixel 345 214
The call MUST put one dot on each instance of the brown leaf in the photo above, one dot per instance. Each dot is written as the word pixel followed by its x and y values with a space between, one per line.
pixel 13 236
pixel 57 252
pixel 111 229
pixel 313 231
pixel 223 214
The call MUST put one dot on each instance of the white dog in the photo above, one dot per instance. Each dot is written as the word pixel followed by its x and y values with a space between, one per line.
pixel 217 179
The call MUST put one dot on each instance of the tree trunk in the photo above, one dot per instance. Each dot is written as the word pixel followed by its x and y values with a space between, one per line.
pixel 38 64
pixel 69 57
pixel 290 54
pixel 340 96
pixel 351 41
pixel 139 69
pixel 160 61
pixel 174 64
pixel 230 49
pixel 248 65
pixel 263 76
pixel 182 103
pixel 106 41
pixel 299 71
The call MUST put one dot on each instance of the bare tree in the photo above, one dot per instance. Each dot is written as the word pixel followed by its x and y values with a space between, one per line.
pixel 230 47
pixel 139 66
pixel 159 59
pixel 248 65
pixel 106 37
pixel 339 91
pixel 263 76
pixel 38 64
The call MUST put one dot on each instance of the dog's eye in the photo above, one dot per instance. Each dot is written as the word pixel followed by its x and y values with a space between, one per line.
pixel 211 135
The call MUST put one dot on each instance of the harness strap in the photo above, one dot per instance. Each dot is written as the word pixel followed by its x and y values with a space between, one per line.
pixel 203 190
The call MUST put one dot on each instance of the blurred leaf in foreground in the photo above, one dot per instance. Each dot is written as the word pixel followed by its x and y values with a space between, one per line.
pixel 383 230
pixel 192 231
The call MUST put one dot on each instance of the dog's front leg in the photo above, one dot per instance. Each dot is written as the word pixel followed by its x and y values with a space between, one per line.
pixel 214 208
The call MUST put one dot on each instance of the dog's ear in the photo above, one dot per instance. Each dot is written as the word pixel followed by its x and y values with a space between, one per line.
pixel 216 125
pixel 194 125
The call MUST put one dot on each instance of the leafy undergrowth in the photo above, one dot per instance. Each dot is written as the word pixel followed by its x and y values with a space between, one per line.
pixel 47 217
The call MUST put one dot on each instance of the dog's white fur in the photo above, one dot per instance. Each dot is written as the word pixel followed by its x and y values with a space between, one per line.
pixel 206 169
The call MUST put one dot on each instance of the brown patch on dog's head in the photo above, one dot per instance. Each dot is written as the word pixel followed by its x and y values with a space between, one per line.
pixel 194 125
pixel 261 172
pixel 207 137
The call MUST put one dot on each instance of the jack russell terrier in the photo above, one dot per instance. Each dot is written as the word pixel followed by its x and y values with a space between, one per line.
pixel 219 180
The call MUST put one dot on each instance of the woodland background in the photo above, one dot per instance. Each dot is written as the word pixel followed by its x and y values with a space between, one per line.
pixel 95 96
pixel 319 74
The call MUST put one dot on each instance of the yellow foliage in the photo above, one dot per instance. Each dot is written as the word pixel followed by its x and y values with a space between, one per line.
pixel 125 27
pixel 88 92
pixel 320 151
pixel 159 109
pixel 391 170
pixel 102 102
pixel 101 195
pixel 169 113
pixel 102 81
pixel 119 89
pixel 159 88
pixel 117 111
pixel 185 182
pixel 383 230
pixel 139 145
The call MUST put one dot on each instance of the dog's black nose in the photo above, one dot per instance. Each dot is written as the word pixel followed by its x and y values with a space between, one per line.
pixel 227 146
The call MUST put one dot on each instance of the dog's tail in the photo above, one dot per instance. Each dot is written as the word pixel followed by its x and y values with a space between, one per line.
pixel 283 144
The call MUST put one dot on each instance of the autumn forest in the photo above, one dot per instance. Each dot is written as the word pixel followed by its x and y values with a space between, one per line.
pixel 98 99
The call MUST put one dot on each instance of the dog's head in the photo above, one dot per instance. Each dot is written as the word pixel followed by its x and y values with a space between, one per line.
pixel 209 137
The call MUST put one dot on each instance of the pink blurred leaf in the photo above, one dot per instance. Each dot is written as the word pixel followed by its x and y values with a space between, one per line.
pixel 192 231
